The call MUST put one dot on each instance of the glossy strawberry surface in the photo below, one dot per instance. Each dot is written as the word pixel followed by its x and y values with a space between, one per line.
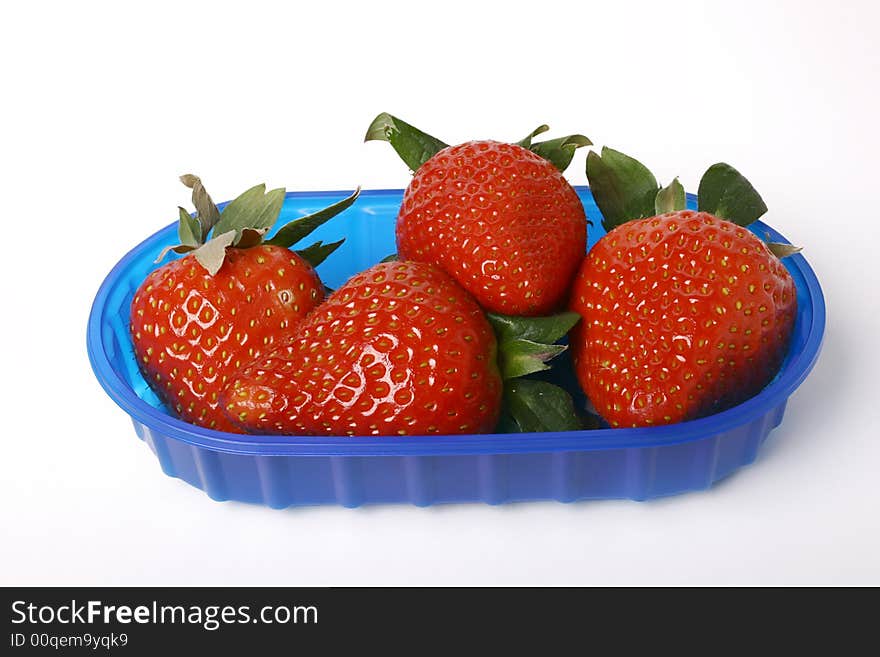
pixel 191 330
pixel 400 349
pixel 499 219
pixel 684 314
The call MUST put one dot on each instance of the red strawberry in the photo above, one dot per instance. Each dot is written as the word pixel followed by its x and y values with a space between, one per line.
pixel 192 330
pixel 499 218
pixel 400 349
pixel 196 320
pixel 685 314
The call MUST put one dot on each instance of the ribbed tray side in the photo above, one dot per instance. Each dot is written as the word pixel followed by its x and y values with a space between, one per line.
pixel 423 480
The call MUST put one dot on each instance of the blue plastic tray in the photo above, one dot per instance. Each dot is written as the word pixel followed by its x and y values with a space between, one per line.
pixel 424 470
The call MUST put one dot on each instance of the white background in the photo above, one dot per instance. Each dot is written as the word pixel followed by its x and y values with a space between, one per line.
pixel 104 104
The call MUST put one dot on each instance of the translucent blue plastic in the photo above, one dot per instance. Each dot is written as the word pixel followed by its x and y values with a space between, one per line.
pixel 494 468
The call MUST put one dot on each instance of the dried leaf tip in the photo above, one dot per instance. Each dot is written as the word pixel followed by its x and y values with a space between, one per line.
pixel 782 250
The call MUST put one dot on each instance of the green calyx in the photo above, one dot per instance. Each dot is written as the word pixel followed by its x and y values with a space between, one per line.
pixel 416 147
pixel 244 222
pixel 525 346
pixel 624 189
pixel 559 152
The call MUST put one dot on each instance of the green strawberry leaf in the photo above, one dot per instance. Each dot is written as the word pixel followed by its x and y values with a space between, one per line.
pixel 520 357
pixel 243 205
pixel 211 254
pixel 506 423
pixel 208 213
pixel 782 250
pixel 293 232
pixel 272 203
pixel 189 231
pixel 622 187
pixel 254 208
pixel 560 151
pixel 526 142
pixel 536 329
pixel 671 198
pixel 318 252
pixel 540 406
pixel 390 258
pixel 726 193
pixel 525 344
pixel 412 145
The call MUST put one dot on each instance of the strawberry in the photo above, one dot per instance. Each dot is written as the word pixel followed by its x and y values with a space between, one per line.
pixel 500 218
pixel 400 349
pixel 684 313
pixel 196 320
